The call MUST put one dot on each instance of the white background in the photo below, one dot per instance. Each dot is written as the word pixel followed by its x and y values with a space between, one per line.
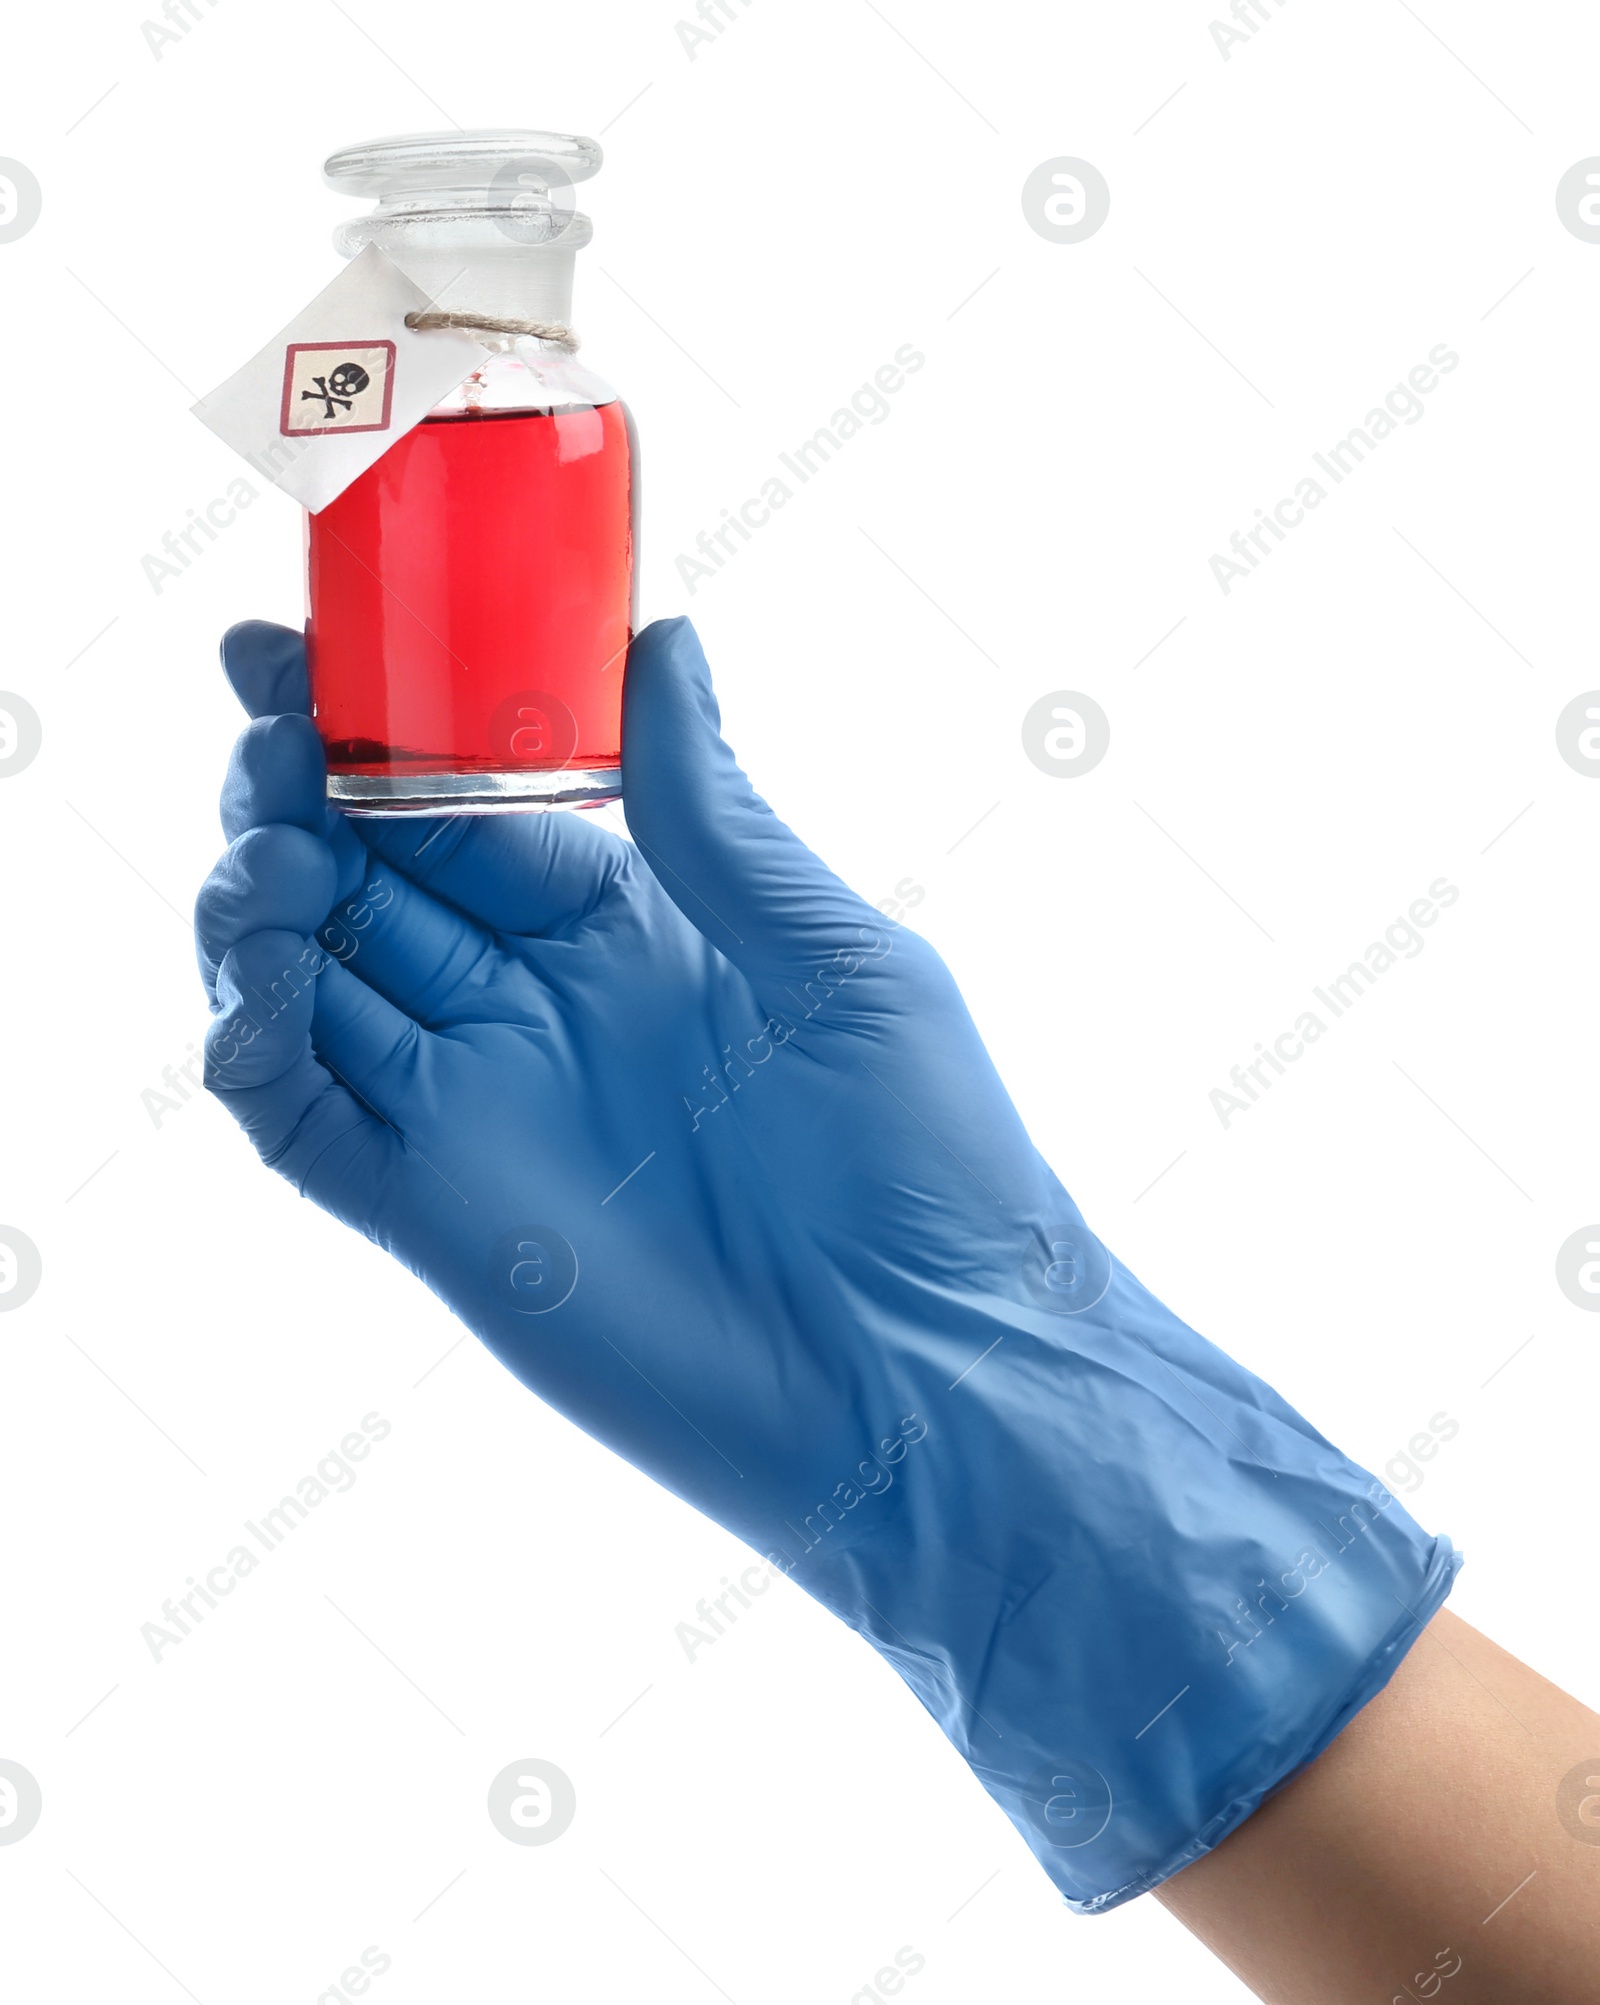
pixel 1294 764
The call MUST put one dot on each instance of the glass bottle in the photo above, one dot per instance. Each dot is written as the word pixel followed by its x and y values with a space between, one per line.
pixel 473 593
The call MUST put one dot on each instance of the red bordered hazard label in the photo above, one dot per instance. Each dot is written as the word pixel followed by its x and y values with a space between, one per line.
pixel 337 386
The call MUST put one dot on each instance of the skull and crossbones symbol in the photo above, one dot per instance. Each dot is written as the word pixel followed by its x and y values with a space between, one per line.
pixel 339 386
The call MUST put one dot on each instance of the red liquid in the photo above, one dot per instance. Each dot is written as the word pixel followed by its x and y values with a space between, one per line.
pixel 472 597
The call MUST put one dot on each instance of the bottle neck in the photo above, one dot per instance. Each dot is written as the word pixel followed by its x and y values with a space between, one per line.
pixel 474 261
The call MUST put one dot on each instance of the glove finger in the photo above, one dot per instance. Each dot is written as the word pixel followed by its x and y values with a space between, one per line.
pixel 531 874
pixel 423 956
pixel 275 879
pixel 748 883
pixel 277 773
pixel 259 1063
pixel 266 665
pixel 376 1049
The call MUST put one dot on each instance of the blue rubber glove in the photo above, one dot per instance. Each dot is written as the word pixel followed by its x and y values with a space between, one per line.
pixel 712 1158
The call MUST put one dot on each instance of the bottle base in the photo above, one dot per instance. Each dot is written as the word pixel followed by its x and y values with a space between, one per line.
pixel 518 793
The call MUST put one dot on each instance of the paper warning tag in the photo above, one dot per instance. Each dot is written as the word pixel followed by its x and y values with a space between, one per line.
pixel 328 396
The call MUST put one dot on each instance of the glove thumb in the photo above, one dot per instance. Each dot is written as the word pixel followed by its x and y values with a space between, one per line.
pixel 737 873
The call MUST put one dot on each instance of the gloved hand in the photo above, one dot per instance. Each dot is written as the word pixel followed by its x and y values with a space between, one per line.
pixel 712 1157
